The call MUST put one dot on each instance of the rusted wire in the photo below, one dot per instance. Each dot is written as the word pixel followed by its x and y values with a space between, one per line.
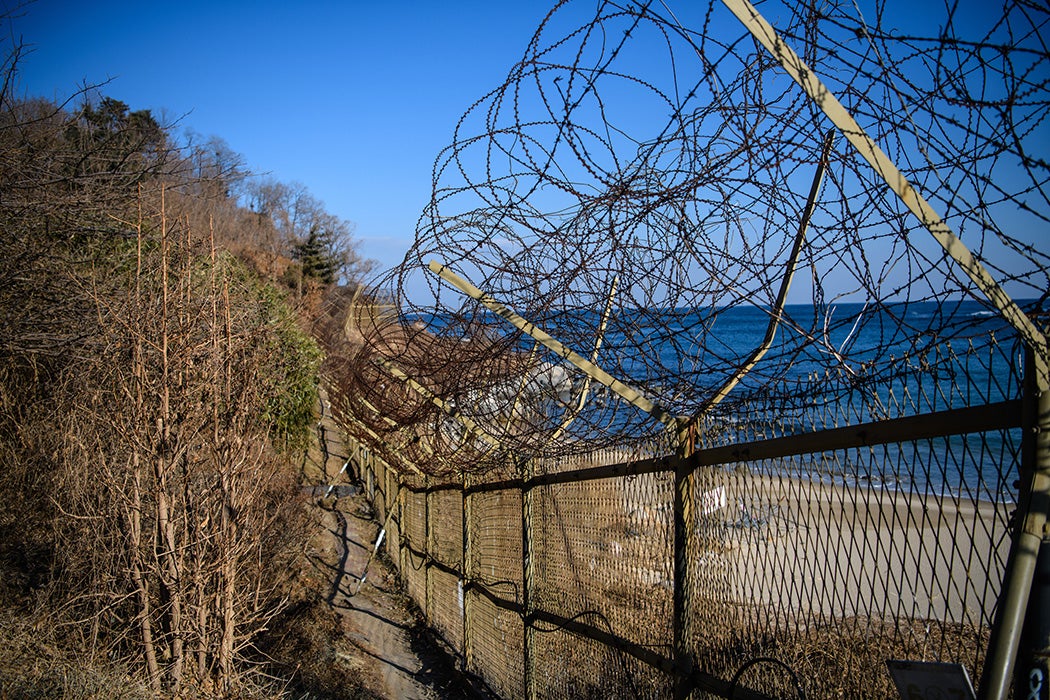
pixel 637 189
pixel 663 147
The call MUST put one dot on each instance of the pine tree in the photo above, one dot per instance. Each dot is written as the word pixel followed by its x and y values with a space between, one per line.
pixel 315 257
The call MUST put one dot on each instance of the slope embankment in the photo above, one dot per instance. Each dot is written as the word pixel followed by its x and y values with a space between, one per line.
pixel 387 642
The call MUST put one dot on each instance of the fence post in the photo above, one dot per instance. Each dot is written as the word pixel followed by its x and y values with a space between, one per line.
pixel 1023 589
pixel 354 456
pixel 358 464
pixel 403 511
pixel 393 488
pixel 1032 680
pixel 428 547
pixel 1033 668
pixel 468 645
pixel 410 513
pixel 380 486
pixel 527 578
pixel 684 486
pixel 370 480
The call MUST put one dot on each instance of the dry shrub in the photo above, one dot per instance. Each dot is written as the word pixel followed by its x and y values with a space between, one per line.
pixel 37 663
pixel 154 394
pixel 839 658
pixel 154 511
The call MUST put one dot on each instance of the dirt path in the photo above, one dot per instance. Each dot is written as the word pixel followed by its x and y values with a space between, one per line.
pixel 388 638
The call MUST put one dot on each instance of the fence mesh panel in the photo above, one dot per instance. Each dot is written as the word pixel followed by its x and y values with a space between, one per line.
pixel 727 479
pixel 569 666
pixel 446 527
pixel 497 637
pixel 494 545
pixel 446 605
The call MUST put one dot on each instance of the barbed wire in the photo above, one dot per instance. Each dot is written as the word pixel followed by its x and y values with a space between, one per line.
pixel 664 153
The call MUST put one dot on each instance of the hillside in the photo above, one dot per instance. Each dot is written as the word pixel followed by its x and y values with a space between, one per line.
pixel 157 396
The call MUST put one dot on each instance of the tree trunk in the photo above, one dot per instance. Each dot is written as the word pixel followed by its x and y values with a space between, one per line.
pixel 229 581
pixel 139 581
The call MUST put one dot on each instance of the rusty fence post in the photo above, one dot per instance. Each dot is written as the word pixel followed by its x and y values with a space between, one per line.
pixel 468 643
pixel 527 579
pixel 684 486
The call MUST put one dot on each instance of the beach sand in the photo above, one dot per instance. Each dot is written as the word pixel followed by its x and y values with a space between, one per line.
pixel 831 549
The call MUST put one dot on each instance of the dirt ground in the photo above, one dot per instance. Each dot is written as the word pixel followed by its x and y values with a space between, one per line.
pixel 389 646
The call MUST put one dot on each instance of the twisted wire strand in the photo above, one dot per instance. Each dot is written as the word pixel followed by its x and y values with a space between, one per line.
pixel 669 152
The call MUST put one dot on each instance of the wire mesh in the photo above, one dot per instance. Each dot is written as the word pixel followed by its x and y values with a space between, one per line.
pixel 446 526
pixel 445 594
pixel 604 549
pixel 637 188
pixel 670 155
pixel 414 575
pixel 497 637
pixel 415 516
pixel 575 667
pixel 392 538
pixel 494 543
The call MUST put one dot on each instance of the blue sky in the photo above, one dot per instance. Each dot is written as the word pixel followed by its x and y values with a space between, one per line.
pixel 352 99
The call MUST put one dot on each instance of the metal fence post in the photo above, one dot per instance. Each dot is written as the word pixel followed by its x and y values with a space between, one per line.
pixel 428 547
pixel 683 660
pixel 1021 591
pixel 1032 679
pixel 370 480
pixel 402 570
pixel 355 455
pixel 684 485
pixel 411 513
pixel 468 644
pixel 527 601
pixel 391 489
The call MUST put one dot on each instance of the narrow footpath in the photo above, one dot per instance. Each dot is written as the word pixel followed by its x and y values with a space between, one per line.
pixel 392 652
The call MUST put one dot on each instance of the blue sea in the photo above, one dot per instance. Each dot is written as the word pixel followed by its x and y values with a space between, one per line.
pixel 828 366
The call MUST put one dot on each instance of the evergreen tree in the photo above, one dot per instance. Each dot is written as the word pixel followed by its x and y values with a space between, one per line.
pixel 316 258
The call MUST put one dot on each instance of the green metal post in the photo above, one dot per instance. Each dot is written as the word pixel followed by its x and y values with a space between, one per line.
pixel 468 578
pixel 527 600
pixel 684 524
pixel 1032 679
pixel 1019 596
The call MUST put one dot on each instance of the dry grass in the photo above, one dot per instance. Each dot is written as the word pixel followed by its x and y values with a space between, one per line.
pixel 837 658
pixel 306 646
pixel 37 662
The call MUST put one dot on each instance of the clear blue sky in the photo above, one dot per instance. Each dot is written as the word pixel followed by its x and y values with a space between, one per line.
pixel 352 99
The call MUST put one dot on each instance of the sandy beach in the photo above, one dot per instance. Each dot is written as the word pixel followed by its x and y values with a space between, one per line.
pixel 858 550
pixel 799 549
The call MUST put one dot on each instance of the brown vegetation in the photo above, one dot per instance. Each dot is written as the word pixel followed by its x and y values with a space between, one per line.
pixel 156 393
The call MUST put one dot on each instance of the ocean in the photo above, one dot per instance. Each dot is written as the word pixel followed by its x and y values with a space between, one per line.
pixel 829 366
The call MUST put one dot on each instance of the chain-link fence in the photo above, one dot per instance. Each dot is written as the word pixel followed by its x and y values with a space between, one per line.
pixel 739 403
pixel 826 551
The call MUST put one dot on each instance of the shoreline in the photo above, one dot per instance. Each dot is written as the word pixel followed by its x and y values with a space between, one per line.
pixel 842 551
